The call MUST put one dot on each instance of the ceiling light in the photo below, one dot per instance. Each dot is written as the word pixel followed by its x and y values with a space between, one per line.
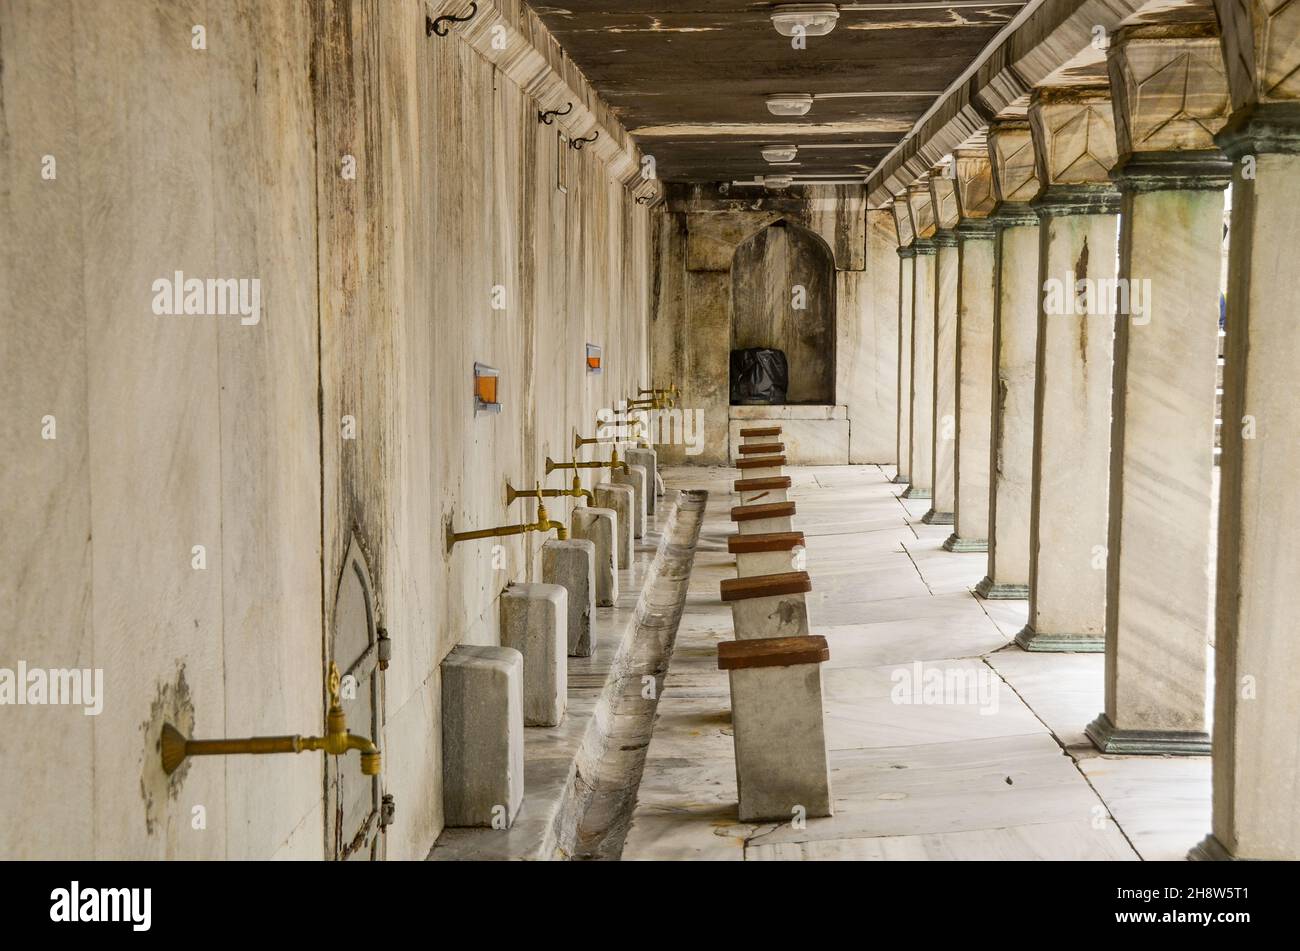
pixel 780 153
pixel 789 103
pixel 778 181
pixel 807 19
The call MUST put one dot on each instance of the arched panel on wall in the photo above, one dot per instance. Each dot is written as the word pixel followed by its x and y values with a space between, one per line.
pixel 783 297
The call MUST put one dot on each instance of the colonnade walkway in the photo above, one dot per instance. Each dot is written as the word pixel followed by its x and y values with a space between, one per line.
pixel 996 766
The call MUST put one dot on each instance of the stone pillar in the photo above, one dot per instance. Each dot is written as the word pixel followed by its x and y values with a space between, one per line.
pixel 906 274
pixel 920 208
pixel 976 284
pixel 943 428
pixel 1015 332
pixel 1256 701
pixel 1074 141
pixel 1172 178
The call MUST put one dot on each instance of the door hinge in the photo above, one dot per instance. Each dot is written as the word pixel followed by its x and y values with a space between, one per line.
pixel 385 649
pixel 387 809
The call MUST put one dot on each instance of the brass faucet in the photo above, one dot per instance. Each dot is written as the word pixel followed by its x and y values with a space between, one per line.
pixel 577 492
pixel 670 393
pixel 614 463
pixel 544 523
pixel 336 741
pixel 580 441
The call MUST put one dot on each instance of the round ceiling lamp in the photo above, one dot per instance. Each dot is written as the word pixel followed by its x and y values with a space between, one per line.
pixel 789 103
pixel 807 19
pixel 780 153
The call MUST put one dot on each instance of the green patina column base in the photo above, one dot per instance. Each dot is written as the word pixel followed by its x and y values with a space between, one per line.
pixel 1109 739
pixel 990 591
pixel 957 543
pixel 1210 849
pixel 937 518
pixel 914 493
pixel 1041 641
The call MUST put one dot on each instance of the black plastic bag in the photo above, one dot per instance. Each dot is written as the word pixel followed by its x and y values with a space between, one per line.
pixel 759 375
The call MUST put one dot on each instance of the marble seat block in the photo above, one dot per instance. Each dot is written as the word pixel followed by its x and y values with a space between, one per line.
pixel 620 498
pixel 482 735
pixel 572 564
pixel 782 770
pixel 650 460
pixel 755 435
pixel 762 449
pixel 600 526
pixel 768 605
pixel 635 476
pixel 768 554
pixel 763 518
pixel 533 622
pixel 760 467
pixel 753 491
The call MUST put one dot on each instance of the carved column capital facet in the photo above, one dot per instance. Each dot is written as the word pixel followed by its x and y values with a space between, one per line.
pixel 1011 153
pixel 903 222
pixel 921 208
pixel 1074 136
pixel 1261 50
pixel 943 195
pixel 976 198
pixel 1170 89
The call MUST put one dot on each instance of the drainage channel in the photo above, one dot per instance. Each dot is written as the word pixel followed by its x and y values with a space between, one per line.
pixel 608 788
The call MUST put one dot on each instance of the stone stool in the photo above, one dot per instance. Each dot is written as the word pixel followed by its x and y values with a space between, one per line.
pixel 768 605
pixel 482 735
pixel 572 564
pixel 767 554
pixel 762 449
pixel 534 618
pixel 772 489
pixel 751 435
pixel 760 467
pixel 777 725
pixel 768 517
pixel 621 499
pixel 600 527
pixel 650 460
pixel 635 476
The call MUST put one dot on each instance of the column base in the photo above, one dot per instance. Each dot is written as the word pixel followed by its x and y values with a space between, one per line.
pixel 1109 739
pixel 914 493
pixel 990 591
pixel 937 518
pixel 901 479
pixel 957 543
pixel 1210 849
pixel 1031 640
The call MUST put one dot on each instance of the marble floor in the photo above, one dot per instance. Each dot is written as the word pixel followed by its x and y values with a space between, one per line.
pixel 995 767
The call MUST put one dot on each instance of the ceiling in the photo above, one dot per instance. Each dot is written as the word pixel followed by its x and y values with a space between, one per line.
pixel 688 78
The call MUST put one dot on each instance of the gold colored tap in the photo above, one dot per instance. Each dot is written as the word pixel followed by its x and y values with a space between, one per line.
pixel 544 523
pixel 337 741
pixel 614 463
pixel 577 492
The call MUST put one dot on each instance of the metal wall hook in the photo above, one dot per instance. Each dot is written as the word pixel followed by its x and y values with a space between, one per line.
pixel 549 115
pixel 644 199
pixel 577 144
pixel 436 26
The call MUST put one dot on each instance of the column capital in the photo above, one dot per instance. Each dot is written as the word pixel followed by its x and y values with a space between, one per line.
pixel 1074 150
pixel 1266 127
pixel 945 238
pixel 977 229
pixel 920 207
pixel 1011 153
pixel 1260 51
pixel 1170 91
pixel 943 197
pixel 903 222
pixel 974 176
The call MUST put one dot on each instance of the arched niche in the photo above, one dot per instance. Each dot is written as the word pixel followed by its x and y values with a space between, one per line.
pixel 774 271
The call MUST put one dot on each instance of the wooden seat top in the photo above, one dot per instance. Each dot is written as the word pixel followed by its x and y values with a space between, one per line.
pixel 761 431
pixel 765 586
pixel 747 513
pixel 760 485
pixel 760 462
pixel 762 449
pixel 773 652
pixel 764 541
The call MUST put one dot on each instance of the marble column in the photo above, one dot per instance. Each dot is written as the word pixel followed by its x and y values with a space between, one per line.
pixel 1074 142
pixel 1015 330
pixel 1172 176
pixel 976 284
pixel 943 428
pixel 921 446
pixel 906 271
pixel 1256 700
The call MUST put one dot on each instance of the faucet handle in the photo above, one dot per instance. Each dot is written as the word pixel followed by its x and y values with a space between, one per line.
pixel 335 684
